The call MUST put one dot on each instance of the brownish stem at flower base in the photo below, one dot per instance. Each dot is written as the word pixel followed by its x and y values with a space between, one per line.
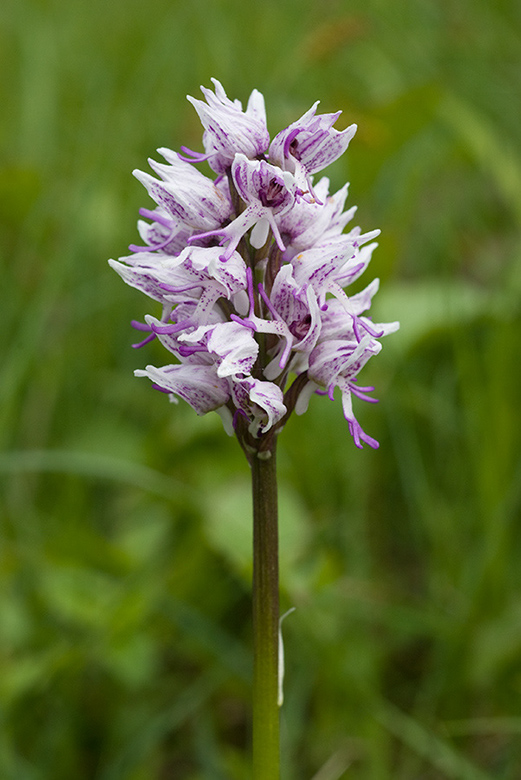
pixel 266 741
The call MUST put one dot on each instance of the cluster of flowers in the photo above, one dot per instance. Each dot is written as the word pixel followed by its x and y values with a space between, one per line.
pixel 250 270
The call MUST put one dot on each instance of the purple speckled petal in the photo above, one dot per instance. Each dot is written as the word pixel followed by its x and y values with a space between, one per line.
pixel 142 279
pixel 186 194
pixel 235 347
pixel 311 141
pixel 198 385
pixel 229 129
pixel 261 401
pixel 258 181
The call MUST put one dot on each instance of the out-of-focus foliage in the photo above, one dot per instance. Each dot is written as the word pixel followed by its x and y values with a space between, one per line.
pixel 124 563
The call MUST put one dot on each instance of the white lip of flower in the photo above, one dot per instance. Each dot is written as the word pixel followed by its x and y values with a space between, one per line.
pixel 295 319
pixel 268 191
pixel 262 399
pixel 233 345
pixel 244 319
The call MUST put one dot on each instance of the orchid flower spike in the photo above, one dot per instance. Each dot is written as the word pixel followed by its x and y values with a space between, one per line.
pixel 251 272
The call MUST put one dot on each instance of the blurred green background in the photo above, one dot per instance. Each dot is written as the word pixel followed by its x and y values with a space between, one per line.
pixel 125 553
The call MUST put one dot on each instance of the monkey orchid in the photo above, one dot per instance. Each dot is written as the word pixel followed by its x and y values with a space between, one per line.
pixel 251 270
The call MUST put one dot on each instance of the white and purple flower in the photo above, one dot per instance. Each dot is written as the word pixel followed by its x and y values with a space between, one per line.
pixel 251 269
pixel 229 129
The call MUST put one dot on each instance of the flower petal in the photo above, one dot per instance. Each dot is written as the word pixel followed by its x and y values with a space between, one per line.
pixel 198 385
pixel 229 129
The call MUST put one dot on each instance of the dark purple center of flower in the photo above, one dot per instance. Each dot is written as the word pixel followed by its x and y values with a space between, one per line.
pixel 294 149
pixel 291 145
pixel 300 328
pixel 274 194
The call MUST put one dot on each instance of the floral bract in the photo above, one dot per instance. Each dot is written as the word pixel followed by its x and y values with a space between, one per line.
pixel 251 268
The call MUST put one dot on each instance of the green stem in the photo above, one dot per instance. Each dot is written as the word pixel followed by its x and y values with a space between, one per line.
pixel 266 741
